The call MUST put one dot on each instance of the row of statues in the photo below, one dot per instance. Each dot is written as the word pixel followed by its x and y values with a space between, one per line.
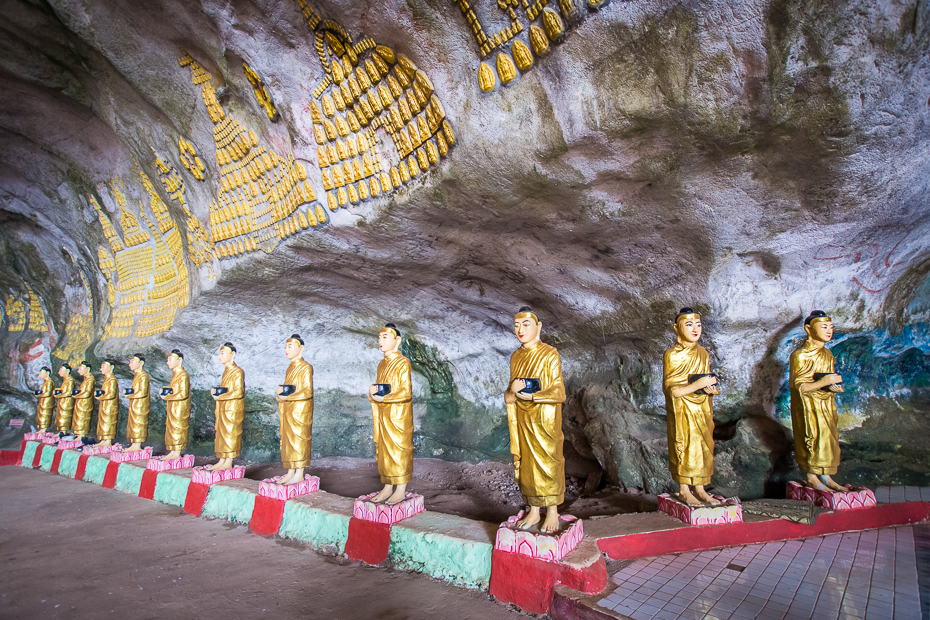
pixel 533 398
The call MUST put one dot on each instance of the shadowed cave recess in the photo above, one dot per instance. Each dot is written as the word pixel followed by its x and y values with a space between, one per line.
pixel 181 174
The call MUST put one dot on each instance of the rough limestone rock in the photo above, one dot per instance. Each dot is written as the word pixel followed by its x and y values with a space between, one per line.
pixel 754 160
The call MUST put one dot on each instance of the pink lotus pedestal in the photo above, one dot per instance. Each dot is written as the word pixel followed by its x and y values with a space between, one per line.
pixel 366 510
pixel 833 500
pixel 50 439
pixel 96 449
pixel 184 461
pixel 70 445
pixel 205 476
pixel 34 436
pixel 283 492
pixel 535 544
pixel 729 511
pixel 117 455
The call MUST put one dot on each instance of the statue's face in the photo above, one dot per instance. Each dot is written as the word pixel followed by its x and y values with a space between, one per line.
pixel 689 330
pixel 388 341
pixel 527 329
pixel 226 355
pixel 173 361
pixel 821 331
pixel 63 372
pixel 83 370
pixel 43 374
pixel 106 368
pixel 292 349
pixel 135 364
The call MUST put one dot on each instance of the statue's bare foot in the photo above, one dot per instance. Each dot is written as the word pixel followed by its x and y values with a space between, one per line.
pixel 222 465
pixel 133 448
pixel 704 496
pixel 105 442
pixel 685 497
pixel 397 496
pixel 814 482
pixel 531 519
pixel 551 524
pixel 383 495
pixel 832 484
pixel 295 476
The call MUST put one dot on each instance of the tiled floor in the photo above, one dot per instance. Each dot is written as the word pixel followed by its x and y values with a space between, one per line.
pixel 859 575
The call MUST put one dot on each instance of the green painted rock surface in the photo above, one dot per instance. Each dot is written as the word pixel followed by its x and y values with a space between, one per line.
pixel 129 478
pixel 233 503
pixel 29 454
pixel 96 469
pixel 318 527
pixel 171 489
pixel 48 455
pixel 69 462
pixel 450 548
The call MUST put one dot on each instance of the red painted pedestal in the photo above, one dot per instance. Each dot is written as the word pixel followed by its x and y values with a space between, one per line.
pixel 81 467
pixel 55 462
pixel 147 487
pixel 109 479
pixel 266 516
pixel 12 457
pixel 368 541
pixel 38 457
pixel 196 498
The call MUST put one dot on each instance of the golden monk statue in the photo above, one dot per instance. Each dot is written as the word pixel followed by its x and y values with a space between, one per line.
pixel 392 414
pixel 177 396
pixel 813 384
pixel 534 398
pixel 65 397
pixel 46 398
pixel 108 412
pixel 295 407
pixel 689 389
pixel 230 409
pixel 83 402
pixel 137 428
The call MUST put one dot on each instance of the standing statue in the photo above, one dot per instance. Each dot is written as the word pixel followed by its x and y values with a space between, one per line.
pixel 689 388
pixel 295 408
pixel 392 412
pixel 177 396
pixel 137 428
pixel 65 397
pixel 813 384
pixel 108 412
pixel 534 398
pixel 83 402
pixel 46 400
pixel 230 409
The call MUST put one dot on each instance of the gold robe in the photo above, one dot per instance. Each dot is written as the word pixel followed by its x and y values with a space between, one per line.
pixel 689 419
pixel 813 415
pixel 296 413
pixel 65 409
pixel 83 406
pixel 230 409
pixel 536 426
pixel 108 413
pixel 137 428
pixel 45 406
pixel 393 421
pixel 178 405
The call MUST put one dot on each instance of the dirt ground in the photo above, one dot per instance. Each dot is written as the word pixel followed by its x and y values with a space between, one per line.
pixel 78 551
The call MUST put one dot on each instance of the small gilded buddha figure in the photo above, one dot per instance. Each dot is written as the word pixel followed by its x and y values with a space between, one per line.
pixel 230 410
pixel 108 412
pixel 689 387
pixel 813 385
pixel 46 398
pixel 64 396
pixel 534 398
pixel 83 402
pixel 137 428
pixel 391 401
pixel 295 407
pixel 177 397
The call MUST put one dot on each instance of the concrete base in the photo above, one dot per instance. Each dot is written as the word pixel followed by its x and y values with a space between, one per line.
pixel 367 510
pixel 853 499
pixel 535 544
pixel 729 511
